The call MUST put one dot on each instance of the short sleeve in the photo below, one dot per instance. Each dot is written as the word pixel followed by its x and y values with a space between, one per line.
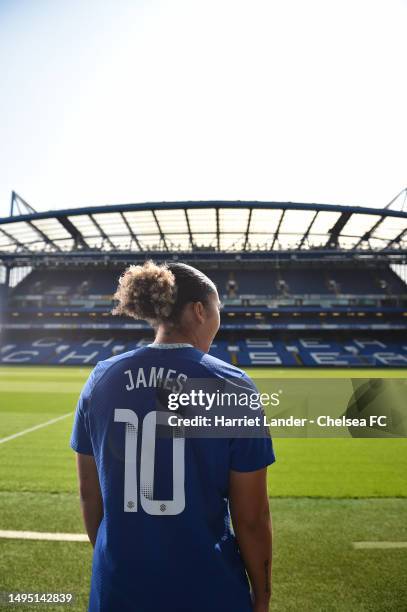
pixel 251 452
pixel 81 441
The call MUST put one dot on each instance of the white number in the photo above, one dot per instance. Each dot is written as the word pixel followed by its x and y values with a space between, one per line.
pixel 130 458
pixel 147 461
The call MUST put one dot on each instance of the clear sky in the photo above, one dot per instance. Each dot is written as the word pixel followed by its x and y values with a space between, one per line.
pixel 107 101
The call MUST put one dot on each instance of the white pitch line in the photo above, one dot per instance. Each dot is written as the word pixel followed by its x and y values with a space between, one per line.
pixel 372 545
pixel 25 431
pixel 40 535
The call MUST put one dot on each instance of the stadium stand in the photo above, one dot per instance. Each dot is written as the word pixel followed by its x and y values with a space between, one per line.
pixel 292 281
pixel 313 302
pixel 88 349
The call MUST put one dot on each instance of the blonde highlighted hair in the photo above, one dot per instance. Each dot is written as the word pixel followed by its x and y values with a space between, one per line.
pixel 158 293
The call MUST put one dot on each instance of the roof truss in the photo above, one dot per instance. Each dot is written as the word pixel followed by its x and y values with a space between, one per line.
pixel 397 239
pixel 132 234
pixel 307 231
pixel 102 233
pixel 246 238
pixel 14 239
pixel 367 235
pixel 278 229
pixel 232 232
pixel 44 236
pixel 77 236
pixel 162 236
pixel 335 231
pixel 191 239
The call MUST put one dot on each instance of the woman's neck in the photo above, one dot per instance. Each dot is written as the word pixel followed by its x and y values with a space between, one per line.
pixel 172 336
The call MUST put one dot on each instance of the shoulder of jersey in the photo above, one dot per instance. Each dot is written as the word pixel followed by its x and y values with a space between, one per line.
pixel 106 363
pixel 218 366
pixel 102 366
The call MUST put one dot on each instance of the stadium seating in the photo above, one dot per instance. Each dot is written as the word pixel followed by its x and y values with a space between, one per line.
pixel 54 287
pixel 310 281
pixel 88 349
pixel 92 281
pixel 63 317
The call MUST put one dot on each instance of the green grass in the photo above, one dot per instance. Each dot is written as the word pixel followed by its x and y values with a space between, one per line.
pixel 325 494
pixel 315 567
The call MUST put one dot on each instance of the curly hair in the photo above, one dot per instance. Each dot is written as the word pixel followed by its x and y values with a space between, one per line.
pixel 146 292
pixel 158 293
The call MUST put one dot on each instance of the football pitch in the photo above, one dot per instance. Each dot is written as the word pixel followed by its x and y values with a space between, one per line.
pixel 325 496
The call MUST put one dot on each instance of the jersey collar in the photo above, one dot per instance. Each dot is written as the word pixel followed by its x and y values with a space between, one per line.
pixel 163 345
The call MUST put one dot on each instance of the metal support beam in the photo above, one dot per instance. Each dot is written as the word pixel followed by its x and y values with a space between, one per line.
pixel 74 232
pixel 367 235
pixel 317 255
pixel 335 231
pixel 397 239
pixel 246 239
pixel 191 240
pixel 7 279
pixel 16 202
pixel 403 191
pixel 11 237
pixel 278 228
pixel 162 236
pixel 46 238
pixel 307 231
pixel 132 234
pixel 103 234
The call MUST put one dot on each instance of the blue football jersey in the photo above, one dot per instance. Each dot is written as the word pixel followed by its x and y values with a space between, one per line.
pixel 165 541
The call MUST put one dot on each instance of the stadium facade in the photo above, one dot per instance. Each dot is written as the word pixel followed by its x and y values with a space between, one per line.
pixel 302 284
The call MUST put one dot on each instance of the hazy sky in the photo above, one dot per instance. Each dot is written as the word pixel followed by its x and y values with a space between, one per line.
pixel 114 101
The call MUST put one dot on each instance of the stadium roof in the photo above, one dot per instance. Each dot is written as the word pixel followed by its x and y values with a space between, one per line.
pixel 208 226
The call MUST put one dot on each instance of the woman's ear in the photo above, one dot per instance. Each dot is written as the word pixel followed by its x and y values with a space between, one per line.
pixel 199 311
